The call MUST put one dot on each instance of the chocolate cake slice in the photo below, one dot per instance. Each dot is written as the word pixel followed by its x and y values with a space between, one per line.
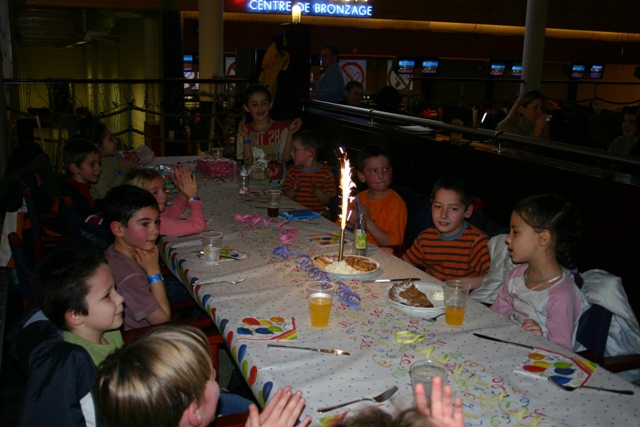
pixel 406 293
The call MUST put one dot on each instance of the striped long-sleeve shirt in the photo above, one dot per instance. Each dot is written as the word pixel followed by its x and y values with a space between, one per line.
pixel 322 178
pixel 465 255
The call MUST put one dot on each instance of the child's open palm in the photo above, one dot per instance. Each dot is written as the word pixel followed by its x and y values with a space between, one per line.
pixel 186 182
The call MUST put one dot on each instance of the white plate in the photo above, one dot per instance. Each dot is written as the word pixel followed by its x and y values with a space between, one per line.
pixel 322 268
pixel 428 289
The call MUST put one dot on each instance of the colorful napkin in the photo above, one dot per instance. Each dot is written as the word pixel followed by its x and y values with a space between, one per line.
pixel 272 329
pixel 542 363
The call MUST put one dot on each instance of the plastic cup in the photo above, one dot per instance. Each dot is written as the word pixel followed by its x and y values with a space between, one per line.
pixel 456 293
pixel 234 170
pixel 424 372
pixel 320 295
pixel 211 245
pixel 273 202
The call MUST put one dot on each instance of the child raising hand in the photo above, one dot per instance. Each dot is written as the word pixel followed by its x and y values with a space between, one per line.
pixel 539 294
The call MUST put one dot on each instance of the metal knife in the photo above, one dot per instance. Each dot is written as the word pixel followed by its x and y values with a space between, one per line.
pixel 402 279
pixel 503 341
pixel 322 350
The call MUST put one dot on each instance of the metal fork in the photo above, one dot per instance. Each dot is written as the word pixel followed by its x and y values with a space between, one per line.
pixel 380 398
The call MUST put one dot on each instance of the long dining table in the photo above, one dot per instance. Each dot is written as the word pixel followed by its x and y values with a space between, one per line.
pixel 256 296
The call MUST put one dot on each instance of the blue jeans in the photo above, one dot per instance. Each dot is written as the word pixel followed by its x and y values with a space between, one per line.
pixel 230 404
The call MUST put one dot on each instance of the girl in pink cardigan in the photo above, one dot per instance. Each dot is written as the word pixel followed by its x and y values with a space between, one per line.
pixel 172 219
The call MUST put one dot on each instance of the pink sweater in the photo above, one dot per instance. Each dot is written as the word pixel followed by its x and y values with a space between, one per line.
pixel 172 224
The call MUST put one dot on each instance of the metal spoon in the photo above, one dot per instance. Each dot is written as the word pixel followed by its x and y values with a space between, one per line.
pixel 432 319
pixel 569 388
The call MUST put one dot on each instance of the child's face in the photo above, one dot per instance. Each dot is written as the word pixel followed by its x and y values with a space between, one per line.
pixel 376 174
pixel 258 106
pixel 89 169
pixel 142 230
pixel 104 304
pixel 159 191
pixel 209 402
pixel 109 146
pixel 300 154
pixel 522 240
pixel 448 212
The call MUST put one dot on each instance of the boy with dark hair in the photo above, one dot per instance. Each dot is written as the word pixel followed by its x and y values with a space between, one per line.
pixel 131 214
pixel 82 162
pixel 75 290
pixel 452 248
pixel 309 183
pixel 384 211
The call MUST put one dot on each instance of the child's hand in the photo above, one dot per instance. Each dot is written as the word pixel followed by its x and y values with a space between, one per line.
pixel 531 325
pixel 295 125
pixel 295 183
pixel 243 130
pixel 148 260
pixel 281 411
pixel 185 182
pixel 128 162
pixel 365 213
pixel 441 413
pixel 313 187
pixel 541 126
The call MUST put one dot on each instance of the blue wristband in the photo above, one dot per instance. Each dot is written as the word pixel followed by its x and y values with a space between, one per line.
pixel 121 173
pixel 247 141
pixel 193 198
pixel 348 228
pixel 154 278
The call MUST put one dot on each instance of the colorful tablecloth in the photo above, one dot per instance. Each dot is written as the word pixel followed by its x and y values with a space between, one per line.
pixel 489 377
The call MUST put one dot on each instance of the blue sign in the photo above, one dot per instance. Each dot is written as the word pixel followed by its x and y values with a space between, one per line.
pixel 347 10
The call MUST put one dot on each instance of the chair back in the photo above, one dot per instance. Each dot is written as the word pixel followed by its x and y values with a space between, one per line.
pixel 22 267
pixel 84 235
pixel 593 329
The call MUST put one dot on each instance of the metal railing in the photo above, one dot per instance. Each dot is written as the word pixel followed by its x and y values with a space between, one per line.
pixel 493 137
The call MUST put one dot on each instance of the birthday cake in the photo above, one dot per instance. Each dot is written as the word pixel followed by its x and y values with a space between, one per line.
pixel 406 293
pixel 349 265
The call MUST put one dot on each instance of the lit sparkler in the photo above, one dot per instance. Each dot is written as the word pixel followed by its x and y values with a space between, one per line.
pixel 345 185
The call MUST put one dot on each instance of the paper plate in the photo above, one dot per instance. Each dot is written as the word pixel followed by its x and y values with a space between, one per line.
pixel 321 267
pixel 428 289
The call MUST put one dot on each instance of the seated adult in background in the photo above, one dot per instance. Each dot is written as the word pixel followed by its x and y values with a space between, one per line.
pixel 527 117
pixel 353 93
pixel 166 378
pixel 113 165
pixel 388 99
pixel 330 87
pixel 629 138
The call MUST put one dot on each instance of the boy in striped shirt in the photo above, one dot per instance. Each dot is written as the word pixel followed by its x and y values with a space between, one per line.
pixel 309 183
pixel 452 248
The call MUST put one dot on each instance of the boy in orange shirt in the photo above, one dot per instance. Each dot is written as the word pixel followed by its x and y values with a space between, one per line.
pixel 384 211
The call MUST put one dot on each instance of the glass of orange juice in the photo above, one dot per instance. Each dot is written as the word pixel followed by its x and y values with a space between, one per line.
pixel 456 293
pixel 320 295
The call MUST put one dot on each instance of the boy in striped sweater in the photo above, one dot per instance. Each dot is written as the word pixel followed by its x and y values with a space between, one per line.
pixel 309 183
pixel 452 248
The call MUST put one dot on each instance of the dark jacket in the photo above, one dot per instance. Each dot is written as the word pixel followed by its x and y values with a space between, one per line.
pixel 60 375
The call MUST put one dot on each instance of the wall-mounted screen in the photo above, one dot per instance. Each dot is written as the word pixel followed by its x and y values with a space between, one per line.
pixel 429 67
pixel 188 62
pixel 597 70
pixel 405 66
pixel 516 69
pixel 577 71
pixel 497 69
